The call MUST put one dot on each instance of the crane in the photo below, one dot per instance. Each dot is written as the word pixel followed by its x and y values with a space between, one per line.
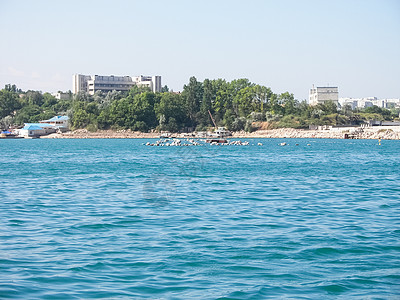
pixel 215 125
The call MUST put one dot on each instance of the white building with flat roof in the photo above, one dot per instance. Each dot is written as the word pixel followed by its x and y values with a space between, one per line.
pixel 323 95
pixel 369 101
pixel 92 83
pixel 61 96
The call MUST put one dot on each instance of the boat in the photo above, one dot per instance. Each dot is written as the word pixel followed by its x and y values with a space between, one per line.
pixel 9 135
pixel 217 141
pixel 222 132
pixel 219 132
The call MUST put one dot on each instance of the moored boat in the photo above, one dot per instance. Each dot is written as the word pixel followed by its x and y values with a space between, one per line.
pixel 9 135
pixel 217 141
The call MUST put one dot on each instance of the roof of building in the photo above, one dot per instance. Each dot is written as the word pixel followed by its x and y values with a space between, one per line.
pixel 36 126
pixel 58 118
pixel 32 127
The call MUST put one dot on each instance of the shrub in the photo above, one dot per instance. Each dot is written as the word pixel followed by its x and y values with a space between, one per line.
pixel 270 117
pixel 249 126
pixel 238 124
pixel 92 127
pixel 257 117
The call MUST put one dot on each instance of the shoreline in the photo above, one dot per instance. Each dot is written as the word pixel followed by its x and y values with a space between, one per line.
pixel 392 133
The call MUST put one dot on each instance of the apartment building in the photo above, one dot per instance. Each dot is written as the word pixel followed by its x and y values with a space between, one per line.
pixel 323 94
pixel 369 101
pixel 92 83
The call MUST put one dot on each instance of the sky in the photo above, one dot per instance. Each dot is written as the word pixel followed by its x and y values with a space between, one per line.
pixel 287 45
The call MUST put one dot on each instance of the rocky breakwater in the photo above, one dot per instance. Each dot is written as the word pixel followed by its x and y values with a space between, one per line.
pixel 392 133
pixel 102 134
pixel 365 133
pixel 377 133
pixel 289 133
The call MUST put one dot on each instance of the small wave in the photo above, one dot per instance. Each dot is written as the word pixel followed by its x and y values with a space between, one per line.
pixel 322 251
pixel 334 288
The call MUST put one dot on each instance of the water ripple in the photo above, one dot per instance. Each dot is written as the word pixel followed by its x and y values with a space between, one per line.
pixel 84 219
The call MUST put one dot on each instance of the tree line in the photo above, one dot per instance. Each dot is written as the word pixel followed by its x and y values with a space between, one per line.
pixel 236 105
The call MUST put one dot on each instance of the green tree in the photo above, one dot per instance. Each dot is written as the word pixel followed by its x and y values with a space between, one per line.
pixel 262 95
pixel 28 114
pixel 237 124
pixel 347 110
pixel 49 101
pixel 223 99
pixel 138 89
pixel 34 98
pixel 304 109
pixel 289 103
pixel 143 110
pixel 207 102
pixel 385 113
pixel 170 111
pixel 11 88
pixel 165 89
pixel 230 121
pixel 193 94
pixel 136 112
pixel 244 102
pixel 8 101
pixel 82 96
pixel 242 97
pixel 84 114
pixel 275 105
pixel 328 107
pixel 239 84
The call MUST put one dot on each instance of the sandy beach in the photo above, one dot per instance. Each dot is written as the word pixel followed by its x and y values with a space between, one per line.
pixel 378 132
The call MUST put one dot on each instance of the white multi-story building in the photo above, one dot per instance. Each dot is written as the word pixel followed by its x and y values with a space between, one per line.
pixel 92 83
pixel 153 82
pixel 79 83
pixel 368 102
pixel 323 95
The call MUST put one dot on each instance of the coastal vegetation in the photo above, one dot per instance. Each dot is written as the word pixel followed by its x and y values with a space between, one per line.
pixel 237 105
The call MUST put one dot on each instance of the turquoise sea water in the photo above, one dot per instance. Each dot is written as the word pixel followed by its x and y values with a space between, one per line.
pixel 114 219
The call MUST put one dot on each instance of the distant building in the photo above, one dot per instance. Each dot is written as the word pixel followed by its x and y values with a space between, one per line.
pixel 369 101
pixel 45 127
pixel 92 83
pixel 36 130
pixel 350 102
pixel 59 122
pixel 61 96
pixel 323 95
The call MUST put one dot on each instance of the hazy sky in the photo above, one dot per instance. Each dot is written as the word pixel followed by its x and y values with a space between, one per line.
pixel 286 45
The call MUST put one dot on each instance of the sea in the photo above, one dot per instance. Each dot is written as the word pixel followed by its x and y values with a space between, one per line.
pixel 116 219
